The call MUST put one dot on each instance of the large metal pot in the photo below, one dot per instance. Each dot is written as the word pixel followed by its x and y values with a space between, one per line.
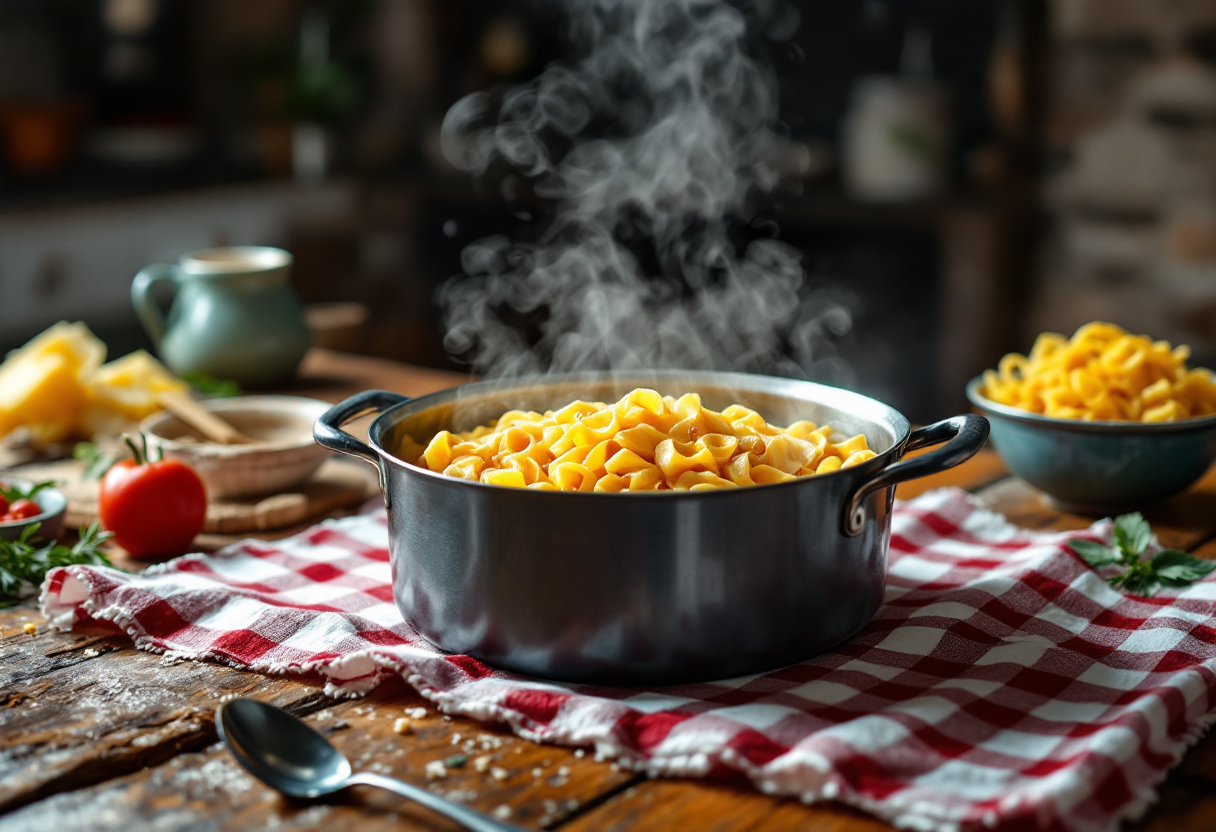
pixel 643 588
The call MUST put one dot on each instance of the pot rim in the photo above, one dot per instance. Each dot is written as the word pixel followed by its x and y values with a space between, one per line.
pixel 901 427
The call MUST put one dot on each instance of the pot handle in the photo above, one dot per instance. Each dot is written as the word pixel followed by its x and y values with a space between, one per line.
pixel 327 430
pixel 964 436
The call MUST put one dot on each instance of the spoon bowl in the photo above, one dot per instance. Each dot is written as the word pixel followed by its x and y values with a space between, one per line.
pixel 292 758
pixel 269 743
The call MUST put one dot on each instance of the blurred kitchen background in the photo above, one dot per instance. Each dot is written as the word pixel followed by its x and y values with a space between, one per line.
pixel 962 173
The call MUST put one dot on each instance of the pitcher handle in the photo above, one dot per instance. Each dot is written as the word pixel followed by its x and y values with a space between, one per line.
pixel 145 305
pixel 964 435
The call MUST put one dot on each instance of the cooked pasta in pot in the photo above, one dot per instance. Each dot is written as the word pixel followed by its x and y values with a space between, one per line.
pixel 1103 373
pixel 644 442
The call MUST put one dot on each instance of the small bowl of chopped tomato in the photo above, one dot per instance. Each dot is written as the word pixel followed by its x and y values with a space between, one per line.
pixel 24 503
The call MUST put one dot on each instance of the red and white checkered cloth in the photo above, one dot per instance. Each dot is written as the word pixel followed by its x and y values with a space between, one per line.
pixel 1002 684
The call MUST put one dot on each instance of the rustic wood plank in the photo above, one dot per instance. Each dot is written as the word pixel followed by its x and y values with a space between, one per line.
pixel 109 709
pixel 1182 523
pixel 208 787
pixel 981 470
pixel 1179 809
pixel 331 375
pixel 716 807
pixel 24 656
pixel 1199 764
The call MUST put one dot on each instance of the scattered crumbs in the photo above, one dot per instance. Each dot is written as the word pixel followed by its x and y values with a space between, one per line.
pixel 469 745
pixel 615 766
pixel 489 741
pixel 31 629
pixel 456 761
pixel 571 804
pixel 311 816
pixel 436 770
pixel 599 758
pixel 580 753
pixel 482 763
pixel 91 653
pixel 519 750
pixel 416 713
pixel 447 718
pixel 537 773
pixel 403 726
pixel 550 806
pixel 325 714
pixel 381 768
pixel 339 725
pixel 227 697
pixel 558 782
pixel 546 762
pixel 456 739
pixel 499 774
pixel 462 795
pixel 502 812
pixel 563 771
pixel 544 820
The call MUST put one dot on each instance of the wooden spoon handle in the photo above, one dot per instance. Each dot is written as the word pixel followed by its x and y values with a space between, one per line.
pixel 198 417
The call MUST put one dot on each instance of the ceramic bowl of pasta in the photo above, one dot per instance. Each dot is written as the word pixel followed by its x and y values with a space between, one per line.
pixel 1102 422
pixel 639 529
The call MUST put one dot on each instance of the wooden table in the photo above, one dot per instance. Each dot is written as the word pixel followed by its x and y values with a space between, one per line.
pixel 97 735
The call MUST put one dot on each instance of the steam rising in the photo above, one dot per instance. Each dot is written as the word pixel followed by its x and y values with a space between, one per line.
pixel 647 147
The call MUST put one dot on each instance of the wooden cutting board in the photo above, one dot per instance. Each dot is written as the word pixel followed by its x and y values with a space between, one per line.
pixel 337 484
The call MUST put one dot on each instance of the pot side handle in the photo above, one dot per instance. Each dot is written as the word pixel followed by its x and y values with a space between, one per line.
pixel 327 430
pixel 964 435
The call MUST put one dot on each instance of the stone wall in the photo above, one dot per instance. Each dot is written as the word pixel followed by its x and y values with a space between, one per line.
pixel 1130 191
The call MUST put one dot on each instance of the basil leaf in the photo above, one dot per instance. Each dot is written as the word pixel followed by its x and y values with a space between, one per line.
pixel 1094 553
pixel 1176 569
pixel 1132 533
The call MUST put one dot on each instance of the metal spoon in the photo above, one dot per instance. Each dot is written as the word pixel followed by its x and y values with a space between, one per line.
pixel 292 758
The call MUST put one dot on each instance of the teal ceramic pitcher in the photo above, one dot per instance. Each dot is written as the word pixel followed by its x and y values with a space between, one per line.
pixel 234 315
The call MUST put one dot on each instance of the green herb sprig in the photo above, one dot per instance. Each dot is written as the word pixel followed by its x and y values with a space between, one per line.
pixel 96 461
pixel 14 491
pixel 1169 568
pixel 25 561
pixel 220 388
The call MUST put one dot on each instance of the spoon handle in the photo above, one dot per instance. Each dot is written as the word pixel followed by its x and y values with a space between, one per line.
pixel 466 817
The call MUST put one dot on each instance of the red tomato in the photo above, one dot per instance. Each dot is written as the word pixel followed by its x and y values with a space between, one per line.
pixel 154 508
pixel 22 510
pixel 3 507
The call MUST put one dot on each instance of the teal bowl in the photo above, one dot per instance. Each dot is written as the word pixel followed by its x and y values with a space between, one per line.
pixel 1099 467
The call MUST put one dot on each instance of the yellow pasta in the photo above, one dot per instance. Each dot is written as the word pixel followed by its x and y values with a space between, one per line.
pixel 644 442
pixel 1103 373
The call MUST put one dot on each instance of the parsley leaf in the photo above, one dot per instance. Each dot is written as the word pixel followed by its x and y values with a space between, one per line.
pixel 1169 568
